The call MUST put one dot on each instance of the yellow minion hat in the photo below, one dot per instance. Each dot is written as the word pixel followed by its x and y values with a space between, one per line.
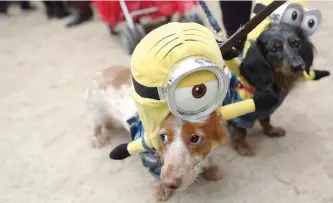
pixel 154 58
pixel 254 34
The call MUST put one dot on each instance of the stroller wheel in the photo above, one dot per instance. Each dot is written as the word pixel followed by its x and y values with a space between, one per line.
pixel 193 17
pixel 130 38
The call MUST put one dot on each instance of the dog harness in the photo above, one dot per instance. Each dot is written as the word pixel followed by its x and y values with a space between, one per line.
pixel 234 95
pixel 148 157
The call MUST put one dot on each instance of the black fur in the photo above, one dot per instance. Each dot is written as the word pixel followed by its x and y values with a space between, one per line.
pixel 256 70
pixel 264 59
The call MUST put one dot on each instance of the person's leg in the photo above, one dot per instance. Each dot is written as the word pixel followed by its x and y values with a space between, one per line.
pixel 26 6
pixel 61 9
pixel 50 10
pixel 234 15
pixel 3 7
pixel 83 12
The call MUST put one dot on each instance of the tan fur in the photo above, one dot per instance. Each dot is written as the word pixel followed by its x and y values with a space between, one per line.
pixel 184 160
pixel 287 81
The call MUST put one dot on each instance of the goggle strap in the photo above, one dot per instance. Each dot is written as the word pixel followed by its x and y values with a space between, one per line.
pixel 145 92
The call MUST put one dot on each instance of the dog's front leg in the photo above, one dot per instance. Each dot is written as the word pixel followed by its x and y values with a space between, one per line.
pixel 270 130
pixel 238 141
pixel 211 171
pixel 161 192
pixel 101 134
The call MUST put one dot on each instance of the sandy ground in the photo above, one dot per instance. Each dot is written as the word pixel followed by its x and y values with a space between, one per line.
pixel 45 155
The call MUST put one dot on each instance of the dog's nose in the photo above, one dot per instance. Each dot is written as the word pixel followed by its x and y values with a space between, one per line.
pixel 297 65
pixel 170 177
pixel 171 183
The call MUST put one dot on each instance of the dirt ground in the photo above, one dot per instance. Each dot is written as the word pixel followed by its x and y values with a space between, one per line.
pixel 45 154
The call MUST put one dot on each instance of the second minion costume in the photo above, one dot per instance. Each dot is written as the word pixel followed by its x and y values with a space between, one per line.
pixel 293 13
pixel 178 69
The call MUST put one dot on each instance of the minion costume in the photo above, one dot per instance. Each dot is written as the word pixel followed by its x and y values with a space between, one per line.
pixel 292 13
pixel 176 68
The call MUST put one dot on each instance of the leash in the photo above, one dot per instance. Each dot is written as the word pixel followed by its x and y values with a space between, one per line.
pixel 243 30
pixel 211 19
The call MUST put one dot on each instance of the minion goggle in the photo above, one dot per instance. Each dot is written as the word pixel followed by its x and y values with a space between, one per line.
pixel 194 88
pixel 295 15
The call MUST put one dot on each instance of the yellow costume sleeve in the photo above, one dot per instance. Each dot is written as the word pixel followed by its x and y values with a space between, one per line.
pixel 125 150
pixel 234 65
pixel 306 76
pixel 135 146
pixel 237 109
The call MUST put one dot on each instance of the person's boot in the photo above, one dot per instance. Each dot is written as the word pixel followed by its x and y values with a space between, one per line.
pixel 49 9
pixel 80 17
pixel 61 13
pixel 3 7
pixel 61 10
pixel 50 13
pixel 26 6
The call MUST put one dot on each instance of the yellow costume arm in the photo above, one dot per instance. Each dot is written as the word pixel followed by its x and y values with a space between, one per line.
pixel 234 65
pixel 306 76
pixel 237 109
pixel 315 75
pixel 125 150
pixel 135 146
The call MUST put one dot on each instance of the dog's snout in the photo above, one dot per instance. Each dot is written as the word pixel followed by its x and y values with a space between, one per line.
pixel 170 178
pixel 171 183
pixel 296 67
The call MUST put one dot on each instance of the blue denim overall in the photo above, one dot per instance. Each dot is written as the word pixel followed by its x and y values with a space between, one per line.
pixel 148 158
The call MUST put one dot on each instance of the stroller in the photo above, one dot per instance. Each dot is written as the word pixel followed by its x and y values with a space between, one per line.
pixel 130 13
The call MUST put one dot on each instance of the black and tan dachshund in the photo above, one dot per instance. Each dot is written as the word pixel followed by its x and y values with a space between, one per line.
pixel 281 56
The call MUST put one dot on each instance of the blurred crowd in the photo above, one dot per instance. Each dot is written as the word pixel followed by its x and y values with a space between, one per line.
pixel 80 11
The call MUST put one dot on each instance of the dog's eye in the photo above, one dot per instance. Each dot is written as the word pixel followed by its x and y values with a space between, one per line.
pixel 195 139
pixel 164 138
pixel 277 46
pixel 295 43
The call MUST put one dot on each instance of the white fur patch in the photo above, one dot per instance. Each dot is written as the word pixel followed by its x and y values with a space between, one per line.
pixel 112 104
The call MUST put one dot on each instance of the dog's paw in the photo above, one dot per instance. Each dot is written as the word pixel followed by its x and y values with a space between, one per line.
pixel 242 147
pixel 212 173
pixel 161 193
pixel 275 132
pixel 98 141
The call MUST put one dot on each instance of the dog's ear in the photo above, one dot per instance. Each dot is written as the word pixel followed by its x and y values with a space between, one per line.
pixel 307 54
pixel 307 49
pixel 254 58
pixel 220 133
